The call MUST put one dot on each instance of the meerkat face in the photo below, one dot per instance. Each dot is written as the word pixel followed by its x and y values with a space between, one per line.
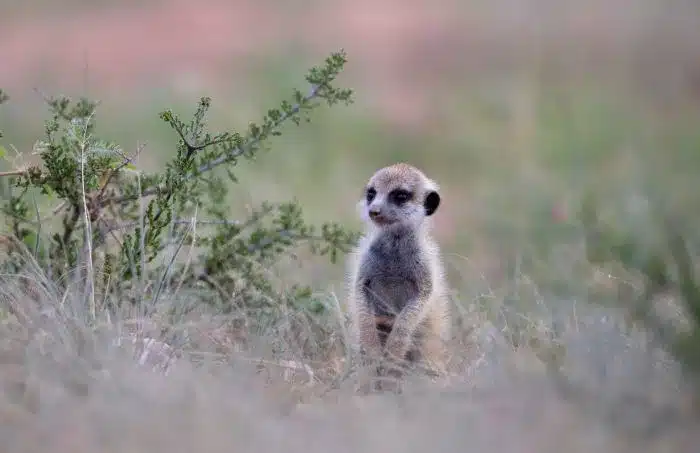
pixel 399 194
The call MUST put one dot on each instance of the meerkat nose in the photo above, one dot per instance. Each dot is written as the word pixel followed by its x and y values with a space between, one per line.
pixel 374 212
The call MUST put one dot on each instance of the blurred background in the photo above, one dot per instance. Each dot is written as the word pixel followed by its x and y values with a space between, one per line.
pixel 516 107
pixel 519 109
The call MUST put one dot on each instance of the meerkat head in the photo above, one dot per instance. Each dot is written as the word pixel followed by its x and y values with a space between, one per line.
pixel 399 194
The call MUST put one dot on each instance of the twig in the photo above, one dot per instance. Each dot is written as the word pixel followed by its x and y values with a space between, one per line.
pixel 230 154
pixel 285 234
pixel 128 225
pixel 18 172
pixel 126 161
pixel 242 225
pixel 188 262
pixel 239 150
pixel 88 229
pixel 170 264
pixel 287 364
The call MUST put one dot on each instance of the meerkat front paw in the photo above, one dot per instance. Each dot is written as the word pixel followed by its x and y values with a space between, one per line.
pixel 397 346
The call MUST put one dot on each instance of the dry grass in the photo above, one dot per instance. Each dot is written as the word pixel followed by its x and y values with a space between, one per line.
pixel 70 388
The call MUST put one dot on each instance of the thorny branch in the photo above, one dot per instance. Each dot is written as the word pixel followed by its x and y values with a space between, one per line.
pixel 227 156
pixel 93 196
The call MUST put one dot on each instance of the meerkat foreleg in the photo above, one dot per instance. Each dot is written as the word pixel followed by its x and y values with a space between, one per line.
pixel 370 344
pixel 407 321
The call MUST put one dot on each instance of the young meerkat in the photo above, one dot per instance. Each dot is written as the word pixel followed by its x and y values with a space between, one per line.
pixel 397 297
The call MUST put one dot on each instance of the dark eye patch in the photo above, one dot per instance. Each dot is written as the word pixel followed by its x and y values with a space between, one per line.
pixel 371 193
pixel 400 196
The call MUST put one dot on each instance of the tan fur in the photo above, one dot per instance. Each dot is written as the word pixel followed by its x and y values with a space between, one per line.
pixel 418 328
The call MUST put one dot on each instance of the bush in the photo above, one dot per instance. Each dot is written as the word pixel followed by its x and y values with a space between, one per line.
pixel 89 216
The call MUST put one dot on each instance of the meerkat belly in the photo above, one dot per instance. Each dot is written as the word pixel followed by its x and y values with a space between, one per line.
pixel 393 276
pixel 386 294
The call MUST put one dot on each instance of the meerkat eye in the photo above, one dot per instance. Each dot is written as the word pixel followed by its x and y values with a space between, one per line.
pixel 400 196
pixel 371 193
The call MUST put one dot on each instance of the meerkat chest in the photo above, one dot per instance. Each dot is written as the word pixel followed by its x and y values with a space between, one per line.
pixel 393 273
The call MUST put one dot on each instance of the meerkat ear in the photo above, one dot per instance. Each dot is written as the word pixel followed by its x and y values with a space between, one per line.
pixel 431 202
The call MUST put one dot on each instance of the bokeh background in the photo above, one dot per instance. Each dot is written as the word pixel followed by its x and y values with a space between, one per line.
pixel 513 106
pixel 518 108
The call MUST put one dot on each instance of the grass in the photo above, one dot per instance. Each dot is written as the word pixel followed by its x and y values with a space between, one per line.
pixel 544 359
pixel 68 386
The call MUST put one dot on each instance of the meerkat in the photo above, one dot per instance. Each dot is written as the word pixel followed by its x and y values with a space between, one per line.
pixel 397 297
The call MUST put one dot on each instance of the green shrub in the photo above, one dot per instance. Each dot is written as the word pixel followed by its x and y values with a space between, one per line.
pixel 87 214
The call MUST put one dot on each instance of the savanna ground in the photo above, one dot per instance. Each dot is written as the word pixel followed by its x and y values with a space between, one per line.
pixel 517 109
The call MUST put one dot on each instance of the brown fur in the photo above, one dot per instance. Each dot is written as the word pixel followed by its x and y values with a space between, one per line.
pixel 399 257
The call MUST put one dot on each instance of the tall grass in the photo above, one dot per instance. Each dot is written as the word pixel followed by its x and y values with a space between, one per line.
pixel 69 385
